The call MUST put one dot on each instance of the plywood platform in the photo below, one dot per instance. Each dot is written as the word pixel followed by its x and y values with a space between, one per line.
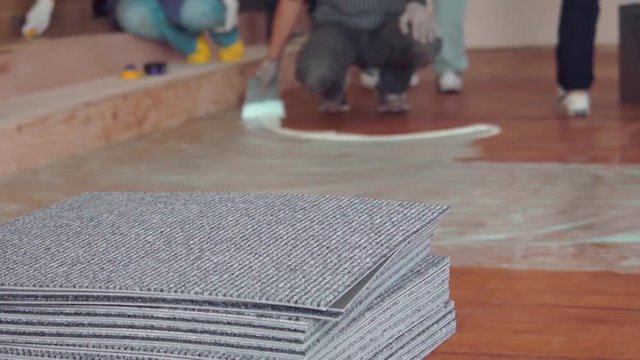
pixel 97 109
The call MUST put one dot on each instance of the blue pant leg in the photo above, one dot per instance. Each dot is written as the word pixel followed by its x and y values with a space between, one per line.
pixel 576 37
pixel 450 16
pixel 146 19
pixel 205 16
pixel 227 38
pixel 200 16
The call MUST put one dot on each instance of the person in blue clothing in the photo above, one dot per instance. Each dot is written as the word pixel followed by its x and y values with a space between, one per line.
pixel 182 24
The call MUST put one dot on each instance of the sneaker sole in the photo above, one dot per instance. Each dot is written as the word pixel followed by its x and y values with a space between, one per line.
pixel 341 110
pixel 449 91
pixel 576 113
pixel 393 111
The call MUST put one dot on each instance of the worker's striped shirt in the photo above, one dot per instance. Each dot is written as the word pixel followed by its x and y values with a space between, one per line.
pixel 359 14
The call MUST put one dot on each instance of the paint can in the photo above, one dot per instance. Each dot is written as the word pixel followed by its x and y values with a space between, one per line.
pixel 155 68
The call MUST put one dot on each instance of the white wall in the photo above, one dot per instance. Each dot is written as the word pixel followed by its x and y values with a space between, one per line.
pixel 516 23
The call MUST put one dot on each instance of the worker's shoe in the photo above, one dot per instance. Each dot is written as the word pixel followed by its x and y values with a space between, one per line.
pixel 334 106
pixel 450 82
pixel 393 104
pixel 575 103
pixel 369 79
pixel 202 54
pixel 232 53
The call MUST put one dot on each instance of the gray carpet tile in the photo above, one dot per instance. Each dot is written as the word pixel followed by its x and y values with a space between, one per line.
pixel 426 278
pixel 293 250
pixel 419 347
pixel 132 348
pixel 379 330
pixel 87 325
pixel 143 316
pixel 44 352
pixel 432 274
pixel 363 345
pixel 425 332
pixel 246 276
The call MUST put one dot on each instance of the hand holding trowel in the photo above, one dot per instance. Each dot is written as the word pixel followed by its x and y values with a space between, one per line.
pixel 263 106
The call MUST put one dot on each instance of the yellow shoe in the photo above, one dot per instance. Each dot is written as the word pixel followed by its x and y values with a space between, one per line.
pixel 233 52
pixel 202 54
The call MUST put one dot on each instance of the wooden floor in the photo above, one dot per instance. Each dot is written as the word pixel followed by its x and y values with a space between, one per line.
pixel 513 89
pixel 541 195
pixel 531 315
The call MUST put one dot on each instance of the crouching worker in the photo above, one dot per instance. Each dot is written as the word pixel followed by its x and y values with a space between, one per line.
pixel 396 36
pixel 183 24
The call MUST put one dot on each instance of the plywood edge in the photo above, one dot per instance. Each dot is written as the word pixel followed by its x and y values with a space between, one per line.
pixel 68 121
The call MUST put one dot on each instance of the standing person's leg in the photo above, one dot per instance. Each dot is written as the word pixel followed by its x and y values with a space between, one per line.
pixel 575 54
pixel 397 56
pixel 323 63
pixel 452 61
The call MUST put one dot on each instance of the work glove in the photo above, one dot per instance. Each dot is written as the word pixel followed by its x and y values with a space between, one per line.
pixel 38 18
pixel 268 72
pixel 419 22
pixel 231 16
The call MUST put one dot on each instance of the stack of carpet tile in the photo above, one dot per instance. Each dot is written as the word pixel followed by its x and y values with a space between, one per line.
pixel 223 276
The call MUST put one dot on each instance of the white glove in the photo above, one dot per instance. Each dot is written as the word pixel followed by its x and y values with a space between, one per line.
pixel 231 16
pixel 268 72
pixel 418 20
pixel 38 18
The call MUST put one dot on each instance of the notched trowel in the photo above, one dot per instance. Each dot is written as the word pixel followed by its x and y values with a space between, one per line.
pixel 262 107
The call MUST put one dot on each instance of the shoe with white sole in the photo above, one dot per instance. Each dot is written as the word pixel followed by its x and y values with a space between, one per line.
pixel 393 104
pixel 338 105
pixel 369 79
pixel 415 80
pixel 334 106
pixel 450 82
pixel 575 103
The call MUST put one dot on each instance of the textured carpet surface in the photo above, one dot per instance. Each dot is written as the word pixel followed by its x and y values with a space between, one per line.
pixel 421 287
pixel 223 276
pixel 297 250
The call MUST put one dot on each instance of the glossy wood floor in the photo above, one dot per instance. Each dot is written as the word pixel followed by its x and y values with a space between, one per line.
pixel 513 89
pixel 531 315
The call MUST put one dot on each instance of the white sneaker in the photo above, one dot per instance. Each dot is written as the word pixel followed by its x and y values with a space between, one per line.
pixel 575 103
pixel 369 79
pixel 415 80
pixel 450 82
pixel 393 104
